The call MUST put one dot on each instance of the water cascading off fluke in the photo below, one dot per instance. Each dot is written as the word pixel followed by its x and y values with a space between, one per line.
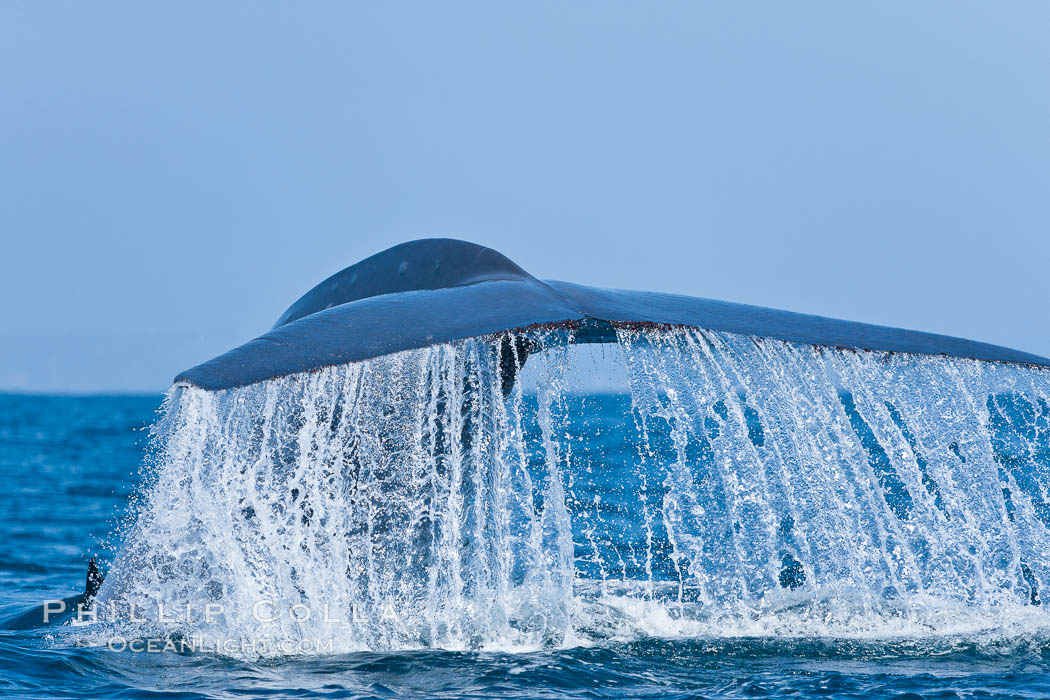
pixel 376 460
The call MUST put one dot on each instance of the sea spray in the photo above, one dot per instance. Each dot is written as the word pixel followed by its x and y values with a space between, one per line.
pixel 882 482
pixel 744 487
pixel 393 500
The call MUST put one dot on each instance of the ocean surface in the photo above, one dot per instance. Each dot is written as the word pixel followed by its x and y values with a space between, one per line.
pixel 615 560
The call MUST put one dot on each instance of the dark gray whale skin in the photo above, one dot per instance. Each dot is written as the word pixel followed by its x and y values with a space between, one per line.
pixel 438 290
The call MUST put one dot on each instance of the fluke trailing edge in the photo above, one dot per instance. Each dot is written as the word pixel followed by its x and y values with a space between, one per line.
pixel 438 290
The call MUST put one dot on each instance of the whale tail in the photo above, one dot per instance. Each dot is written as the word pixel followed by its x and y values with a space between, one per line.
pixel 435 291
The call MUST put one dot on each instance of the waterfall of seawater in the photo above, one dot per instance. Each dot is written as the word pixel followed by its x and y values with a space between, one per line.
pixel 744 487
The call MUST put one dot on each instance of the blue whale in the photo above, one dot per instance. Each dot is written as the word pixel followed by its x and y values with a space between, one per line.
pixel 438 290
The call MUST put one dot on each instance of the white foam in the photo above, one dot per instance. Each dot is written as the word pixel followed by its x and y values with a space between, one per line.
pixel 405 484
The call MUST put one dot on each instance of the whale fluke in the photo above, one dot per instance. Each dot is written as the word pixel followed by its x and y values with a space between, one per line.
pixel 438 290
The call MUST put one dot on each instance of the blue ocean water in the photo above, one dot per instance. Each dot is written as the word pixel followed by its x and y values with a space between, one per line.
pixel 70 466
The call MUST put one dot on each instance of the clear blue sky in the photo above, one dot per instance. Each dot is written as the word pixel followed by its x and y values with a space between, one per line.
pixel 172 177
